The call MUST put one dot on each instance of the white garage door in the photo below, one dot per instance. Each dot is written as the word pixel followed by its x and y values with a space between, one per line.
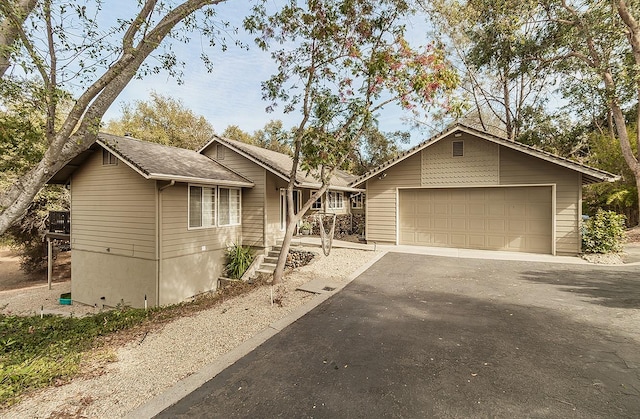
pixel 515 219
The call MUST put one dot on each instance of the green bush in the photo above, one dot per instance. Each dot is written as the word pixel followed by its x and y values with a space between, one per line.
pixel 604 233
pixel 239 259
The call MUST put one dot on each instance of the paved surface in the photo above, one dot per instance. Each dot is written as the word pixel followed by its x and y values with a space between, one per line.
pixel 428 336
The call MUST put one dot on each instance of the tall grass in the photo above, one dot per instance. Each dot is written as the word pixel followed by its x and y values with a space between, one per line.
pixel 239 259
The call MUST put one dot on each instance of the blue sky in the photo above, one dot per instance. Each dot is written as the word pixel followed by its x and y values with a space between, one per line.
pixel 231 94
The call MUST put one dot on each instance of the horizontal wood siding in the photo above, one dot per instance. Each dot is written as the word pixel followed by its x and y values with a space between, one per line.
pixel 517 168
pixel 381 198
pixel 479 164
pixel 252 198
pixel 113 210
pixel 178 240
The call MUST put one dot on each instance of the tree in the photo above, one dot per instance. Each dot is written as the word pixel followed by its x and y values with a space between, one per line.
pixel 272 137
pixel 60 43
pixel 164 120
pixel 339 64
pixel 598 45
pixel 493 43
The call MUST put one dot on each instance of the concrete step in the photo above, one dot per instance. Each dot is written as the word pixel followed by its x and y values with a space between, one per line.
pixel 271 259
pixel 265 271
pixel 268 266
pixel 273 254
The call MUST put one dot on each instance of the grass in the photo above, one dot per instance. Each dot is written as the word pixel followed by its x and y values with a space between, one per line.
pixel 39 352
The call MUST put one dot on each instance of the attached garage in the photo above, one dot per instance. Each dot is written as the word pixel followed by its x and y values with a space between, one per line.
pixel 516 219
pixel 466 188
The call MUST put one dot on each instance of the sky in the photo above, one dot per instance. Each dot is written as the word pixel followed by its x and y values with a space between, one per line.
pixel 231 94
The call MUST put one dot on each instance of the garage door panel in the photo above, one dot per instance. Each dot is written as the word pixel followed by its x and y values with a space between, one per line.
pixel 508 218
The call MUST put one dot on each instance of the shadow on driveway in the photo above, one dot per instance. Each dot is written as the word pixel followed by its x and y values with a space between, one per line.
pixel 399 342
pixel 617 287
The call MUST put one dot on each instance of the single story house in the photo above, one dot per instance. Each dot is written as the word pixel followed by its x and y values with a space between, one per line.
pixel 153 222
pixel 466 188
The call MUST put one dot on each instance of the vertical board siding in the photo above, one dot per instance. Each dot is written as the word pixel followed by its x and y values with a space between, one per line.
pixel 252 198
pixel 381 198
pixel 113 210
pixel 517 169
pixel 478 166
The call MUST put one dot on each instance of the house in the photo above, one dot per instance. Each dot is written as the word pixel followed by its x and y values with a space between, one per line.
pixel 264 215
pixel 151 222
pixel 465 188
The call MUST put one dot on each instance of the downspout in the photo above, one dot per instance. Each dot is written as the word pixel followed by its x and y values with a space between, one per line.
pixel 159 239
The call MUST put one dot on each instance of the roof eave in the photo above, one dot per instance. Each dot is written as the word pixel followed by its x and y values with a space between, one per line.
pixel 205 181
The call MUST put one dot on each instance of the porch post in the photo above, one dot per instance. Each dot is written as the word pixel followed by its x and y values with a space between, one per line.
pixel 49 261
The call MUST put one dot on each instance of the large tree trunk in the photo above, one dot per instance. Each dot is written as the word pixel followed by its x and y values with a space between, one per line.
pixel 79 129
pixel 9 31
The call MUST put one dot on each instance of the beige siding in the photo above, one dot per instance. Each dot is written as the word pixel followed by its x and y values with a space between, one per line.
pixel 192 259
pixel 519 169
pixel 381 198
pixel 113 210
pixel 478 166
pixel 177 239
pixel 252 198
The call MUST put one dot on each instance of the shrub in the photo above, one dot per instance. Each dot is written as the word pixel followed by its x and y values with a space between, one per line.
pixel 238 260
pixel 604 233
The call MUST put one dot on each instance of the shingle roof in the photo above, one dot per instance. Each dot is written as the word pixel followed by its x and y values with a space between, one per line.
pixel 161 162
pixel 589 174
pixel 281 164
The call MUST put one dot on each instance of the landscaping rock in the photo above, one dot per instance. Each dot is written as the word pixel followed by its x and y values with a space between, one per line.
pixel 298 258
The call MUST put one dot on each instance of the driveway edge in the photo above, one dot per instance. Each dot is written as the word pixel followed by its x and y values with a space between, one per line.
pixel 189 384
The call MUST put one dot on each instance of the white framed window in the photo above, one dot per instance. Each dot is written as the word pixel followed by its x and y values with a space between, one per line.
pixel 357 201
pixel 336 200
pixel 228 206
pixel 202 207
pixel 317 204
pixel 108 158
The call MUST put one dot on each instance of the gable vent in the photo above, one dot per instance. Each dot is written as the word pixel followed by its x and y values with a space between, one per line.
pixel 219 152
pixel 458 148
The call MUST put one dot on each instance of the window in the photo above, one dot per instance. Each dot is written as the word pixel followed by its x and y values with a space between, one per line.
pixel 108 159
pixel 202 207
pixel 335 200
pixel 228 206
pixel 458 148
pixel 357 200
pixel 317 204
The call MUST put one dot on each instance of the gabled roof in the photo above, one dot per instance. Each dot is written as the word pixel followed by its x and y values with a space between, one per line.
pixel 280 164
pixel 589 174
pixel 161 162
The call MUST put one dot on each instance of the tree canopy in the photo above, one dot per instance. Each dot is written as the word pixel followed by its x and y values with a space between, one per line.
pixel 162 119
pixel 65 47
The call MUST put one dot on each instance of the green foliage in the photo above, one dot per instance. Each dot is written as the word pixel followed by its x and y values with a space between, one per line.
pixel 604 233
pixel 162 119
pixel 272 137
pixel 36 352
pixel 239 259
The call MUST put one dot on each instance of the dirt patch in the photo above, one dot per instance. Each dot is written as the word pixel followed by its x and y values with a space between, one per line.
pixel 12 277
pixel 633 235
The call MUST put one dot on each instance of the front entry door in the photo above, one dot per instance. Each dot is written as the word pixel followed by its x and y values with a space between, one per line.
pixel 297 200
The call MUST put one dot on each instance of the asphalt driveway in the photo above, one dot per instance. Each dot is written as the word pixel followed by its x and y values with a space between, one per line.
pixel 426 336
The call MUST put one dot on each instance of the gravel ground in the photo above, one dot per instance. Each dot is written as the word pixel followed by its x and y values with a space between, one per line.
pixel 151 364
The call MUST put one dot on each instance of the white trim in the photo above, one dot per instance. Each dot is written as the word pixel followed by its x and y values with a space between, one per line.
pixel 218 212
pixel 554 211
pixel 337 193
pixel 215 215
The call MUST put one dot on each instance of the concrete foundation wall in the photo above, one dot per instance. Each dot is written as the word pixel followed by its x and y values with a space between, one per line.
pixel 117 278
